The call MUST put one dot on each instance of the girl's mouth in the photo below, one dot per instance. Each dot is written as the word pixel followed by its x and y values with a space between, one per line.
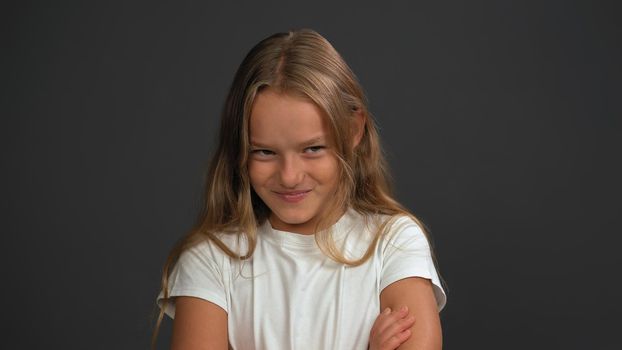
pixel 294 196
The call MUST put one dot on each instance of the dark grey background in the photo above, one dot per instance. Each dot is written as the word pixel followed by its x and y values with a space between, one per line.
pixel 501 120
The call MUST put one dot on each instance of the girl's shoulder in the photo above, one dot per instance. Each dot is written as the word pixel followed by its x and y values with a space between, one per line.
pixel 360 230
pixel 391 230
pixel 212 249
pixel 388 225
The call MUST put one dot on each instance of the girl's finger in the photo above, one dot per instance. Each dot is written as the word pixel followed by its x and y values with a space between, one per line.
pixel 379 321
pixel 397 327
pixel 391 319
pixel 395 341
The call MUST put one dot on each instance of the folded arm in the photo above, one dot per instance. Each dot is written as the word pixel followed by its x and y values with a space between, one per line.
pixel 198 325
pixel 418 295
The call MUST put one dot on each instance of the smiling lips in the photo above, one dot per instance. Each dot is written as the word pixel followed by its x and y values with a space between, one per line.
pixel 292 197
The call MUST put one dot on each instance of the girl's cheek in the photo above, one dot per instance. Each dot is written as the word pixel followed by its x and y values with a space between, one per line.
pixel 326 168
pixel 260 170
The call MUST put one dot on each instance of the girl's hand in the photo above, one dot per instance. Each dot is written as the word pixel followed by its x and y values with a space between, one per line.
pixel 390 329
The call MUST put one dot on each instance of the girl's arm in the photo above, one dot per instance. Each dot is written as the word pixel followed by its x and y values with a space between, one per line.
pixel 198 324
pixel 416 293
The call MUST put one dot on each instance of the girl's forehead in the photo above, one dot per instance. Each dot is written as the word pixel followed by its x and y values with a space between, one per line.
pixel 270 107
pixel 283 118
pixel 270 98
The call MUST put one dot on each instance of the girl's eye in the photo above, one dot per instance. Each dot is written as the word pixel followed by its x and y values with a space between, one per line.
pixel 262 152
pixel 314 149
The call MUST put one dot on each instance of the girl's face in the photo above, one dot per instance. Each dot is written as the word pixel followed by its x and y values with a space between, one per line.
pixel 291 167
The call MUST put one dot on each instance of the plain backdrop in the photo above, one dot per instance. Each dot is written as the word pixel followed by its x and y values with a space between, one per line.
pixel 501 121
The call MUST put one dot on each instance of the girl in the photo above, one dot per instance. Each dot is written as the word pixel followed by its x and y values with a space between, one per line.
pixel 300 244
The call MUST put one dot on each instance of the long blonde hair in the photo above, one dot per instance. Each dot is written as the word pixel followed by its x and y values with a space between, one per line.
pixel 304 63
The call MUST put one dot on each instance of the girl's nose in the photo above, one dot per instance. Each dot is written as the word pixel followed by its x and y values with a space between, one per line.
pixel 291 172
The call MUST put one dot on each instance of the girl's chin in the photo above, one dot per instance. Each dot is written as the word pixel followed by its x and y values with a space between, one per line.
pixel 294 223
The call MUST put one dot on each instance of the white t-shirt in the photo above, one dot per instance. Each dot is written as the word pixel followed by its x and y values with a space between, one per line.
pixel 289 295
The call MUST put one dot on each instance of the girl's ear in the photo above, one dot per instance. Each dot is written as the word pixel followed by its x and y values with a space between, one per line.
pixel 359 128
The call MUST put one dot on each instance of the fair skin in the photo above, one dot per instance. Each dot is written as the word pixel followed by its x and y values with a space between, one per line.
pixel 292 169
pixel 198 325
pixel 418 296
pixel 291 166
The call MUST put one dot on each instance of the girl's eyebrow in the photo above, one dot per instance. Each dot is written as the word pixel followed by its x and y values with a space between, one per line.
pixel 318 139
pixel 312 141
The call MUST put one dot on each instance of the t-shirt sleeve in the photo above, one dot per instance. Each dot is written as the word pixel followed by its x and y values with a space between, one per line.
pixel 406 253
pixel 197 273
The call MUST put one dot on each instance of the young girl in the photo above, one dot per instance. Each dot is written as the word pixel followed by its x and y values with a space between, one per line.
pixel 300 244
